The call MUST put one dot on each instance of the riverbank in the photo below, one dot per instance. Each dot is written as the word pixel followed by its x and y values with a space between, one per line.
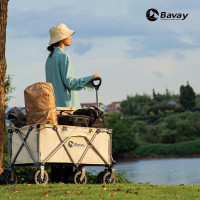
pixel 130 156
pixel 148 150
pixel 101 192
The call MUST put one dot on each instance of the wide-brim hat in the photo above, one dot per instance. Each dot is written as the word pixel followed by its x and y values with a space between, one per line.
pixel 59 32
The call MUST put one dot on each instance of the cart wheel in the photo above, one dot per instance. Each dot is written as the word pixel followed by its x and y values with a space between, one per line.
pixel 38 179
pixel 106 178
pixel 8 179
pixel 100 177
pixel 77 177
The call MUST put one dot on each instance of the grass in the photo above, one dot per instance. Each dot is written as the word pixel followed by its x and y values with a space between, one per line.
pixel 100 192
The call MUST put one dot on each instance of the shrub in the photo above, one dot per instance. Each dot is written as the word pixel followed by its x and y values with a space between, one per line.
pixel 189 147
pixel 124 137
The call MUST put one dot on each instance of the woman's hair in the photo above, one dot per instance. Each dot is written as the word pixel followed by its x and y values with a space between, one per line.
pixel 51 48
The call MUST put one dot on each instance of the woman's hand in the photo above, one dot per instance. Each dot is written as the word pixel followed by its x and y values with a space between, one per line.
pixel 96 76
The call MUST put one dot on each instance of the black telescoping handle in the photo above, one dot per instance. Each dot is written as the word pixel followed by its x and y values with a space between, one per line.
pixel 98 85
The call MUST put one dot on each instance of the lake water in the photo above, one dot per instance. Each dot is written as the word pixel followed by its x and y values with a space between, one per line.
pixel 162 171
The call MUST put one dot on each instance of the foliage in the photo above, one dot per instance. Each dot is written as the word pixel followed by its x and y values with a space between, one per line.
pixel 92 177
pixel 8 89
pixel 128 132
pixel 121 178
pixel 160 97
pixel 187 97
pixel 190 147
pixel 5 159
pixel 5 148
pixel 137 105
pixel 22 172
pixel 175 128
pixel 145 106
pixel 161 121
pixel 124 137
pixel 197 101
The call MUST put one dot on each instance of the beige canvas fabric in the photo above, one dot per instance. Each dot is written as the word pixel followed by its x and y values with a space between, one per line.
pixel 40 104
pixel 75 145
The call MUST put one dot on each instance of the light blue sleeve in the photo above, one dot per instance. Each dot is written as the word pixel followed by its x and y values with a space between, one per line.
pixel 67 75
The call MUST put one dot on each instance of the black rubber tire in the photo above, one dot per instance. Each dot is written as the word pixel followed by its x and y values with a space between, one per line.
pixel 106 178
pixel 8 178
pixel 38 177
pixel 77 177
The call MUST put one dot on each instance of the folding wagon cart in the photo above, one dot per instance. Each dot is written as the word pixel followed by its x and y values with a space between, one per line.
pixel 40 145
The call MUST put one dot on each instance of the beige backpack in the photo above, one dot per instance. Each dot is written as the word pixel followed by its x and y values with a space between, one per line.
pixel 40 104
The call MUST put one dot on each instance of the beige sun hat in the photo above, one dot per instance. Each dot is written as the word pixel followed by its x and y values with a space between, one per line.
pixel 59 32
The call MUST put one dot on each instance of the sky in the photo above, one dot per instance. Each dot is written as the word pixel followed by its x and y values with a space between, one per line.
pixel 112 38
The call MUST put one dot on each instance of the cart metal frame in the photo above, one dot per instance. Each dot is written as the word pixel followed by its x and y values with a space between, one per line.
pixel 41 165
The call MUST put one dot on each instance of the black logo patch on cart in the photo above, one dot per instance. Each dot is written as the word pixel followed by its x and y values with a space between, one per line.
pixel 72 144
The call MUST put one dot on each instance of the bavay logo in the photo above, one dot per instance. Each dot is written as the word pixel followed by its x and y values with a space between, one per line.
pixel 74 144
pixel 152 15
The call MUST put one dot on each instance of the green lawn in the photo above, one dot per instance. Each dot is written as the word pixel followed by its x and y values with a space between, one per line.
pixel 100 192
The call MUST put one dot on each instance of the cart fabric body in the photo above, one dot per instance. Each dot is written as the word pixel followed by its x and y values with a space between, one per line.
pixel 59 145
pixel 62 144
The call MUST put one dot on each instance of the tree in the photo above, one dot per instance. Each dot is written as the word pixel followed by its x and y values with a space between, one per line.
pixel 3 24
pixel 156 97
pixel 187 97
pixel 8 89
pixel 135 105
pixel 124 137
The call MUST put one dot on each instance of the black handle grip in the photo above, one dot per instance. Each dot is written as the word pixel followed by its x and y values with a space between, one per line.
pixel 98 85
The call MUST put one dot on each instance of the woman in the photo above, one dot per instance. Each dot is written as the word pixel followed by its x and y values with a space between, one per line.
pixel 59 69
